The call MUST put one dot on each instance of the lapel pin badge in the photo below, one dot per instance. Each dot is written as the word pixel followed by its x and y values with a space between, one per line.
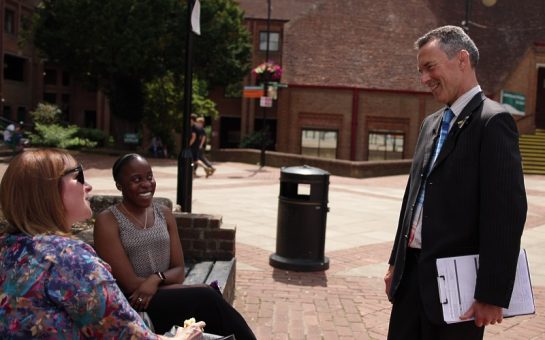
pixel 462 123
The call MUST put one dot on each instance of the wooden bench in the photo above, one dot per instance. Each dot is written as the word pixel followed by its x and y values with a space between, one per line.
pixel 208 271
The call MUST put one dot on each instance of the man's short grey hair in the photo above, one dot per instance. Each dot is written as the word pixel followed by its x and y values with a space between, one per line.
pixel 452 39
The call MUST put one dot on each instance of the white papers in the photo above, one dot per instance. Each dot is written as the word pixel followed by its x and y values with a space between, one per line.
pixel 457 276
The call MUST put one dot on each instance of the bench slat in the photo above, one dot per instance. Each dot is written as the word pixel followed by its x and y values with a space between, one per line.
pixel 220 272
pixel 198 273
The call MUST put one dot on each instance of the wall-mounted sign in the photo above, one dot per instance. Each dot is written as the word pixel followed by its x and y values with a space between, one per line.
pixel 265 102
pixel 253 91
pixel 514 102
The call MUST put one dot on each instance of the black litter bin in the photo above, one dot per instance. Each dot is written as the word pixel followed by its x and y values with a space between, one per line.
pixel 302 212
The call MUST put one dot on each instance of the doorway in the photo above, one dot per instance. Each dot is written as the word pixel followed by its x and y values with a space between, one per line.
pixel 540 98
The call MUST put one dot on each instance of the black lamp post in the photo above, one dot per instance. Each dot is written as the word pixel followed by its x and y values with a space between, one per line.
pixel 265 132
pixel 466 22
pixel 185 158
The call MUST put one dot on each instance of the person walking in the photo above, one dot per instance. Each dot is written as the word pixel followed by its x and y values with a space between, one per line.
pixel 465 195
pixel 209 168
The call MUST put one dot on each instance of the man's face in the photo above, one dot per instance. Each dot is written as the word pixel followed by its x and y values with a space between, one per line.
pixel 443 76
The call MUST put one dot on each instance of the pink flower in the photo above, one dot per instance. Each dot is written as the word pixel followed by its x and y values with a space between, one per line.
pixel 270 69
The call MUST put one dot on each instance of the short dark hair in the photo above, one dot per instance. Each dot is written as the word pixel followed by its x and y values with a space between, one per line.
pixel 452 39
pixel 121 162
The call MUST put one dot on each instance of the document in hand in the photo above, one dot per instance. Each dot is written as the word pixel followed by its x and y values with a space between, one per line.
pixel 457 276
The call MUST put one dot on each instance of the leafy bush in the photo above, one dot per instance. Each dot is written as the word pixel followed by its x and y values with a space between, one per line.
pixel 58 136
pixel 95 135
pixel 46 113
pixel 49 132
pixel 255 140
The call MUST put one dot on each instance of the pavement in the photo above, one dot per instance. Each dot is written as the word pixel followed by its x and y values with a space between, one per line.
pixel 347 301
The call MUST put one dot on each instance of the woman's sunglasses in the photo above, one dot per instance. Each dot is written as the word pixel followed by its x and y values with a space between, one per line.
pixel 79 177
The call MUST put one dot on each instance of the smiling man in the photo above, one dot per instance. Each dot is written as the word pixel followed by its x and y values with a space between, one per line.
pixel 465 195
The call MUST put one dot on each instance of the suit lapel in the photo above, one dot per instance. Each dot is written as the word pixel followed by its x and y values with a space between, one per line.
pixel 430 140
pixel 462 120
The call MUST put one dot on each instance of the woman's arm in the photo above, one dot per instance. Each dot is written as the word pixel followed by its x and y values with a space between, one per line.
pixel 83 287
pixel 176 272
pixel 109 247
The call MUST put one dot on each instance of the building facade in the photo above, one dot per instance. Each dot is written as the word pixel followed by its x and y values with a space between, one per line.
pixel 353 90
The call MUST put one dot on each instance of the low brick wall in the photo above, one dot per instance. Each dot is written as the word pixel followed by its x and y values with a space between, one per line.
pixel 333 166
pixel 204 237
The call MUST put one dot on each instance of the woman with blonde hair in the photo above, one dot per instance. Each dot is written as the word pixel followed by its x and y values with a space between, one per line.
pixel 51 284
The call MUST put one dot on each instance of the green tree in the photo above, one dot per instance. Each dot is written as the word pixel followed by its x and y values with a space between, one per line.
pixel 120 45
pixel 164 102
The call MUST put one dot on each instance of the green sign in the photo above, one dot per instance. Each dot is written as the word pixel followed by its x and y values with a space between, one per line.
pixel 515 102
pixel 130 138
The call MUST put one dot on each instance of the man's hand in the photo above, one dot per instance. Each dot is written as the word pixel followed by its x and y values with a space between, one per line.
pixel 388 280
pixel 484 313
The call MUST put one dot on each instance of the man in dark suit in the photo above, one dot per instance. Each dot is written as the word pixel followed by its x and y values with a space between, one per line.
pixel 465 195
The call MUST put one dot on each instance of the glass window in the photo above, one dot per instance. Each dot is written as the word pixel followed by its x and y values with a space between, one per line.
pixel 7 111
pixel 274 41
pixel 90 119
pixel 9 21
pixel 65 78
pixel 50 76
pixel 50 98
pixel 14 68
pixel 385 145
pixel 319 143
pixel 21 114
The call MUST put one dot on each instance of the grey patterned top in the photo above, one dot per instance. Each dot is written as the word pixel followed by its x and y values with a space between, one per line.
pixel 148 249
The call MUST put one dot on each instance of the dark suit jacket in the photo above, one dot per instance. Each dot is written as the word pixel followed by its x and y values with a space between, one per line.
pixel 475 203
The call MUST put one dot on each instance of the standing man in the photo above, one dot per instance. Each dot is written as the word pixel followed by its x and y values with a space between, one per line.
pixel 208 168
pixel 465 195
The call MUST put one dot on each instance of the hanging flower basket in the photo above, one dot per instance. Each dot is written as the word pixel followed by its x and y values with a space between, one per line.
pixel 268 71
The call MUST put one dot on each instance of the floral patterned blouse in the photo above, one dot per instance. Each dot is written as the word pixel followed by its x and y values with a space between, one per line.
pixel 55 287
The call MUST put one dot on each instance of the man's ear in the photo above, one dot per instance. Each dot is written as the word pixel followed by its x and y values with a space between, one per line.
pixel 463 58
pixel 118 186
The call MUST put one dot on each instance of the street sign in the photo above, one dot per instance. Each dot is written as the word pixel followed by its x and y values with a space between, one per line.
pixel 514 102
pixel 253 91
pixel 265 101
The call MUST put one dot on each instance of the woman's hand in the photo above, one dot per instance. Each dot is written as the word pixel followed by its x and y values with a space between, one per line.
pixel 141 297
pixel 193 332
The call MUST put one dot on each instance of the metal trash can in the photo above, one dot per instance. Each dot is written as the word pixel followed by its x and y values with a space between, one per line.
pixel 302 212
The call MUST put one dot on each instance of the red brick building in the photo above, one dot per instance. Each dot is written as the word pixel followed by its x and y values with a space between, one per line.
pixel 353 89
pixel 27 80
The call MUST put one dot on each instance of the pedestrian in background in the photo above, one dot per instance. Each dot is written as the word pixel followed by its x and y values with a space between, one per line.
pixel 195 144
pixel 209 169
pixel 465 195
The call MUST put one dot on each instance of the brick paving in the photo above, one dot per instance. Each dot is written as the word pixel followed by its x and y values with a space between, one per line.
pixel 347 301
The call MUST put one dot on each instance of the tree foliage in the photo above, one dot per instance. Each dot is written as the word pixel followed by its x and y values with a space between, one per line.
pixel 164 102
pixel 120 45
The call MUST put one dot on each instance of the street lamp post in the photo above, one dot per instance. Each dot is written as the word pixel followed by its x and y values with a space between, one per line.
pixel 465 22
pixel 265 132
pixel 185 158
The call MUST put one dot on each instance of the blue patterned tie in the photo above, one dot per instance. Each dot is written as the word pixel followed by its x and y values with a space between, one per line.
pixel 445 124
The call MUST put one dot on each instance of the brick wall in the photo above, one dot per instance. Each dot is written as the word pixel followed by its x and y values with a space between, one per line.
pixel 203 236
pixel 356 169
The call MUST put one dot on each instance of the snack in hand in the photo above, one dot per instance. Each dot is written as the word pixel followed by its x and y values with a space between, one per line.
pixel 189 322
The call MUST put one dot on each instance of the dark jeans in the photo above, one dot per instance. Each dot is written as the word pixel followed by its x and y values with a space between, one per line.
pixel 203 159
pixel 170 307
